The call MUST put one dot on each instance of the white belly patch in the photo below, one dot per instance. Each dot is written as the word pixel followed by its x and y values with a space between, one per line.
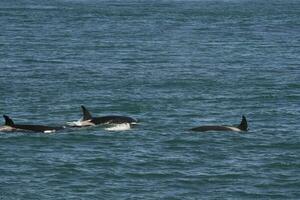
pixel 234 128
pixel 49 131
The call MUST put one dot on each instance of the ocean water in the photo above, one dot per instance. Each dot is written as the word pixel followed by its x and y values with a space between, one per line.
pixel 172 65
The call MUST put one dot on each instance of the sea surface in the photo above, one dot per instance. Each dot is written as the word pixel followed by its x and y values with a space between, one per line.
pixel 171 64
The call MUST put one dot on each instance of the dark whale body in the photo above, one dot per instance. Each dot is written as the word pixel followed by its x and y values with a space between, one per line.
pixel 88 120
pixel 110 119
pixel 26 127
pixel 243 126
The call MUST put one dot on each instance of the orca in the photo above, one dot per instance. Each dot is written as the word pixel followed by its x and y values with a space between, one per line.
pixel 88 120
pixel 11 126
pixel 243 126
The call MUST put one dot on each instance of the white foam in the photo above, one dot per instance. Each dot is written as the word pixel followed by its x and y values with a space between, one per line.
pixel 6 128
pixel 74 123
pixel 80 123
pixel 119 127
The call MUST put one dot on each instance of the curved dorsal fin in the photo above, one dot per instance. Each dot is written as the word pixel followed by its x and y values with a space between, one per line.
pixel 8 121
pixel 243 125
pixel 86 114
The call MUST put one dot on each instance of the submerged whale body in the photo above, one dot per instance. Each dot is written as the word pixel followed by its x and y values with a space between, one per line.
pixel 88 120
pixel 243 126
pixel 11 126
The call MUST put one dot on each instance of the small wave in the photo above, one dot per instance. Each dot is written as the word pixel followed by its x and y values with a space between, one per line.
pixel 119 127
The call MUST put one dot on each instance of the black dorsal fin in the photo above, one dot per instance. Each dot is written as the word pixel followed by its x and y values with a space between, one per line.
pixel 8 121
pixel 243 125
pixel 86 114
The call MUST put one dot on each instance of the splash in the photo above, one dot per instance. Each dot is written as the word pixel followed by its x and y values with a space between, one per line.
pixel 119 127
pixel 80 123
pixel 6 128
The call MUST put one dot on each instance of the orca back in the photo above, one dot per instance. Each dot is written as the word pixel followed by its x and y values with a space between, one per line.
pixel 113 119
pixel 211 128
pixel 36 128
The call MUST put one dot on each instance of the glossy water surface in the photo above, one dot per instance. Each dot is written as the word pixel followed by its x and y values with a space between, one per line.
pixel 173 65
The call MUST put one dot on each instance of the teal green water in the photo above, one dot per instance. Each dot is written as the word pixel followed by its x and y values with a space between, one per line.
pixel 173 65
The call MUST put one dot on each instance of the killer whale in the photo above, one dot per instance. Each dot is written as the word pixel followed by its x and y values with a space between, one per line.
pixel 243 126
pixel 11 126
pixel 88 120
